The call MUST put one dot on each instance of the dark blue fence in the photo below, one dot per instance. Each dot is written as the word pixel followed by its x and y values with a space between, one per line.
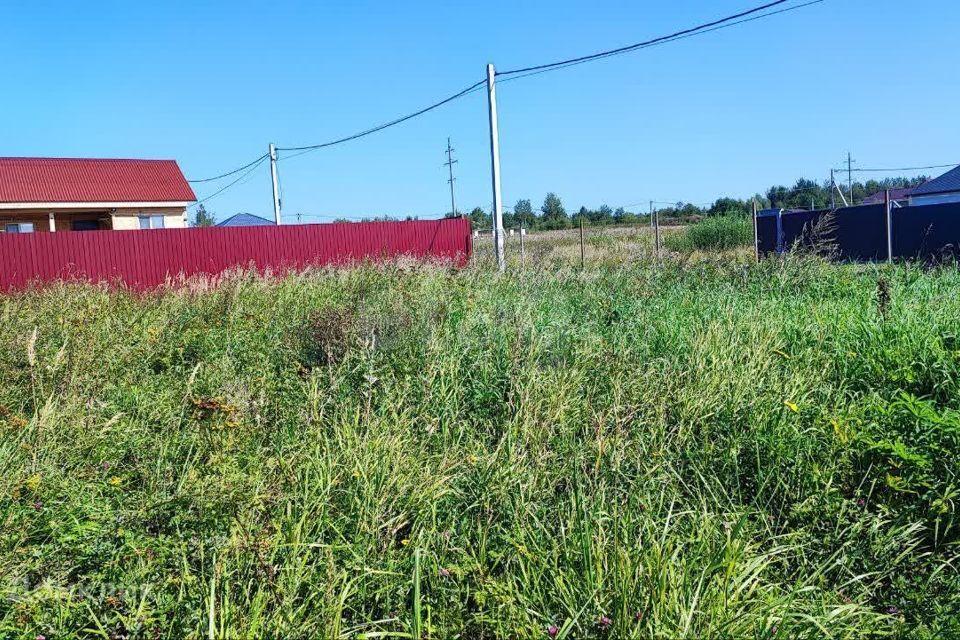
pixel 923 232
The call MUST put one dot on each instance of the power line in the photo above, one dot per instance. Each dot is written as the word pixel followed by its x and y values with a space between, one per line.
pixel 229 173
pixel 251 169
pixel 932 166
pixel 366 132
pixel 659 40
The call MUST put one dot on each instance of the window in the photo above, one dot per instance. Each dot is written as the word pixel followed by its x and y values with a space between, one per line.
pixel 151 222
pixel 19 227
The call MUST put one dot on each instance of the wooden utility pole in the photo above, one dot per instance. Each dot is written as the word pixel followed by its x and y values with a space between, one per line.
pixel 495 169
pixel 850 177
pixel 756 234
pixel 449 163
pixel 833 187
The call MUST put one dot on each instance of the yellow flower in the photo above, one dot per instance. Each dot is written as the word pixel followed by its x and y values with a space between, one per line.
pixel 33 482
pixel 116 481
pixel 405 541
pixel 792 406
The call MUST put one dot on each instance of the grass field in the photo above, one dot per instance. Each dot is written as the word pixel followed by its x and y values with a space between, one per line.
pixel 709 448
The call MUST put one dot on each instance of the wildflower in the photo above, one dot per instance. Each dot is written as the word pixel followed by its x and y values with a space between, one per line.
pixel 115 481
pixel 405 541
pixel 38 505
pixel 792 406
pixel 604 623
pixel 552 631
pixel 40 636
pixel 892 610
pixel 444 572
pixel 861 503
pixel 33 482
pixel 104 465
pixel 638 616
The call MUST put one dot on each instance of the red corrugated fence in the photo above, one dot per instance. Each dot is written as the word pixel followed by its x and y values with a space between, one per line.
pixel 146 259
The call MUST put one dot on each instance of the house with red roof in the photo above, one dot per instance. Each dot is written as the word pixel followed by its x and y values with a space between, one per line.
pixel 86 194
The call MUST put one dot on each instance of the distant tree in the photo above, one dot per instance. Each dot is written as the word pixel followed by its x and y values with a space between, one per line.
pixel 619 215
pixel 554 215
pixel 727 207
pixel 523 214
pixel 603 215
pixel 479 219
pixel 203 219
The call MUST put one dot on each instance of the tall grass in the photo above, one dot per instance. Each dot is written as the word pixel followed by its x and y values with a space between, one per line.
pixel 712 451
pixel 714 233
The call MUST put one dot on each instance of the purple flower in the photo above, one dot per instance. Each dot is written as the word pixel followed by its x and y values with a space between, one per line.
pixel 552 631
pixel 861 503
pixel 40 636
pixel 444 572
pixel 38 505
pixel 638 616
pixel 604 622
pixel 892 610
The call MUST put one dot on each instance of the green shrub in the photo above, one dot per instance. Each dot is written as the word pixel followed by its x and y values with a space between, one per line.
pixel 715 233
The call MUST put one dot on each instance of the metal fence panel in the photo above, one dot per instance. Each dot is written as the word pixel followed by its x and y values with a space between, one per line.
pixel 145 259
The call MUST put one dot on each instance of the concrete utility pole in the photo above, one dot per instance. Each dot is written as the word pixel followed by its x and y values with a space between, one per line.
pixel 449 163
pixel 276 183
pixel 651 214
pixel 850 177
pixel 756 234
pixel 495 169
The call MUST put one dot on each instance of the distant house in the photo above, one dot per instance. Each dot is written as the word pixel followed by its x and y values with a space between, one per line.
pixel 896 195
pixel 946 188
pixel 82 194
pixel 245 220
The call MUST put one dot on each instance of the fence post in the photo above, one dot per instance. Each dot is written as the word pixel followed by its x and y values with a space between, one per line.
pixel 521 244
pixel 583 254
pixel 889 210
pixel 656 231
pixel 780 247
pixel 756 236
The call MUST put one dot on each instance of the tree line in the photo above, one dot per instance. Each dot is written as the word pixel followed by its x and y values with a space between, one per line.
pixel 804 194
pixel 552 214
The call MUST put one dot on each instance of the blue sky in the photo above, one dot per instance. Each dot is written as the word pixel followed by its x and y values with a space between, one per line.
pixel 210 84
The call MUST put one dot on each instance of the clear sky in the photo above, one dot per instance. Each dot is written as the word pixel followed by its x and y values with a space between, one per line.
pixel 210 84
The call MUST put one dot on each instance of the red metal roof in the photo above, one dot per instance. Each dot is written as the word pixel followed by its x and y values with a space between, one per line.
pixel 92 180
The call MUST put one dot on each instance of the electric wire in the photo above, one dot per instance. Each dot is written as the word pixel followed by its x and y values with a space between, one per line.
pixel 661 42
pixel 641 45
pixel 229 173
pixel 250 170
pixel 396 121
pixel 891 170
